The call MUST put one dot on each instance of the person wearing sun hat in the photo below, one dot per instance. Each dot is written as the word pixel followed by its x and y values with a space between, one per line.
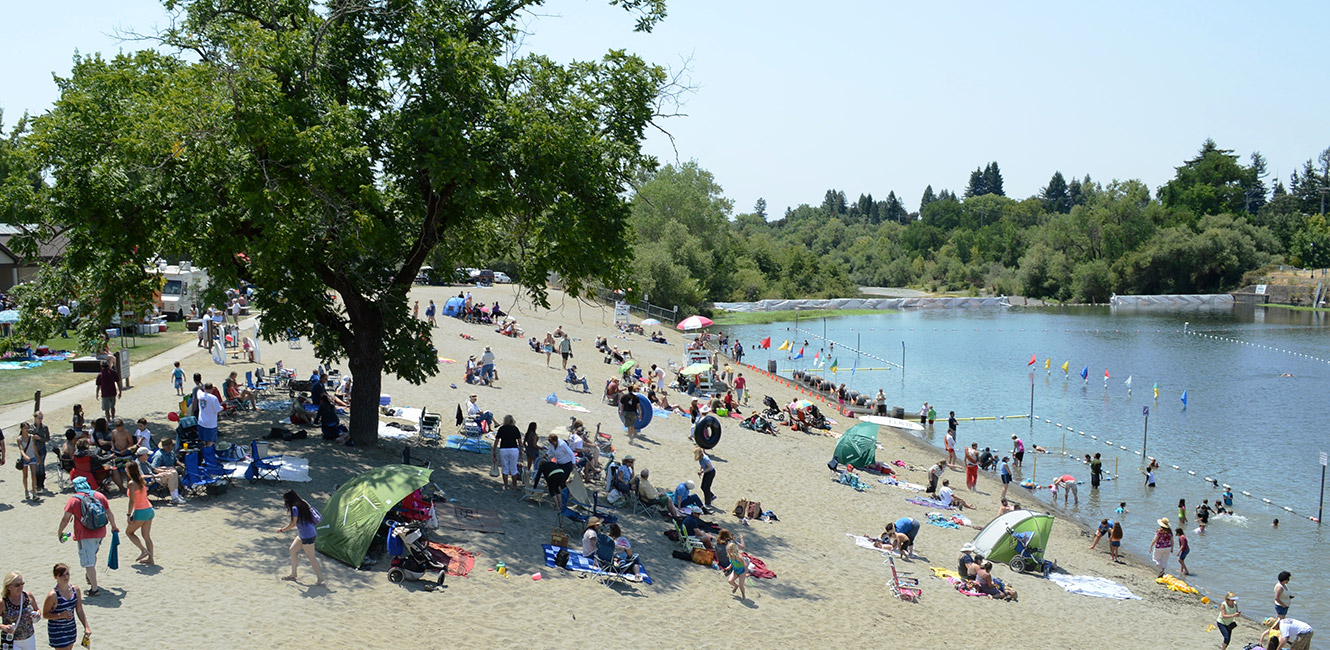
pixel 589 536
pixel 1286 633
pixel 1228 618
pixel 89 540
pixel 1161 546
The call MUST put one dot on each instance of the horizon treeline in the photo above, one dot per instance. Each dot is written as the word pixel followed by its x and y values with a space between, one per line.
pixel 1077 240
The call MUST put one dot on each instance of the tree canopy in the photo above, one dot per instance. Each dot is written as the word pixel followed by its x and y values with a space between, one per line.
pixel 323 150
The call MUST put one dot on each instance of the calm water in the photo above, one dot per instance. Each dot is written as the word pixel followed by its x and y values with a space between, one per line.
pixel 1244 424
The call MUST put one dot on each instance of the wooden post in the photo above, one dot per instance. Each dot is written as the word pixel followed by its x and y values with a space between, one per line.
pixel 1035 468
pixel 36 401
pixel 1115 468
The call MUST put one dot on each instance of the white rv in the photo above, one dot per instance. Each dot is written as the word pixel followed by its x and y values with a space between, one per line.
pixel 182 286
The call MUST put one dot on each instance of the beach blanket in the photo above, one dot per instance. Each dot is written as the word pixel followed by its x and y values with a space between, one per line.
pixel 904 485
pixel 758 568
pixel 1093 586
pixel 407 413
pixel 928 503
pixel 572 406
pixel 462 443
pixel 865 542
pixel 293 469
pixel 952 578
pixel 395 431
pixel 941 522
pixel 274 405
pixel 460 560
pixel 579 562
pixel 854 482
pixel 463 518
pixel 447 360
pixel 659 413
pixel 58 356
pixel 19 365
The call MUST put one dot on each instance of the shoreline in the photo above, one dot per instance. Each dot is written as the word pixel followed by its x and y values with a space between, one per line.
pixel 221 550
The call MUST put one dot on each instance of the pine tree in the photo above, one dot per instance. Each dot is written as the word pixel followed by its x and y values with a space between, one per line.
pixel 1279 190
pixel 895 210
pixel 1253 187
pixel 760 208
pixel 1075 196
pixel 1055 194
pixel 977 186
pixel 993 179
pixel 928 197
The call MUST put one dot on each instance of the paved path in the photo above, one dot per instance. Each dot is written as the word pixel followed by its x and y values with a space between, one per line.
pixel 58 406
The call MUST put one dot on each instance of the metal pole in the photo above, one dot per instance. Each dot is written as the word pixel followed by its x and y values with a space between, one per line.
pixel 1320 509
pixel 1146 434
pixel 902 358
pixel 1032 404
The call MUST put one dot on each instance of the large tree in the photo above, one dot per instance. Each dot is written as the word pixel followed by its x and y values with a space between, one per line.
pixel 321 150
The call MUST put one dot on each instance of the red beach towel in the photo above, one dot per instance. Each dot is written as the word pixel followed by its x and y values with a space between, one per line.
pixel 759 567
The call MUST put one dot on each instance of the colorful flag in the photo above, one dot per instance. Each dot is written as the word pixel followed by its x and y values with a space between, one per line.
pixel 1105 374
pixel 834 365
pixel 1184 398
pixel 817 357
pixel 1128 382
pixel 785 346
pixel 1032 360
pixel 1066 365
pixel 1085 373
pixel 855 366
pixel 765 343
pixel 1156 390
pixel 801 353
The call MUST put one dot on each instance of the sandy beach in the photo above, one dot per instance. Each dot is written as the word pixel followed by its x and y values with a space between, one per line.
pixel 217 583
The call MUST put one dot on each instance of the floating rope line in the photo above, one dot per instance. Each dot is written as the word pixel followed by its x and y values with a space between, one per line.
pixel 1262 346
pixel 1208 479
pixel 889 363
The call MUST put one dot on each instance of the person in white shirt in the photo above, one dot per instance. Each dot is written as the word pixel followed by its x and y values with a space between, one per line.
pixel 209 409
pixel 948 498
pixel 660 377
pixel 142 435
pixel 235 311
pixel 474 412
pixel 487 365
pixel 1290 632
pixel 63 310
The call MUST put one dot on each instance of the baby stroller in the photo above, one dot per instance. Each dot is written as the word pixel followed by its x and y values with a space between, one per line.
pixel 772 411
pixel 412 559
pixel 1027 556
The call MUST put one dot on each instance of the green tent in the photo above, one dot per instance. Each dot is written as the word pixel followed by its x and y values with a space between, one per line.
pixel 858 446
pixel 996 543
pixel 355 512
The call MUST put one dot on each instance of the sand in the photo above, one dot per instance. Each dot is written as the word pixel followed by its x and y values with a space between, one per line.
pixel 219 560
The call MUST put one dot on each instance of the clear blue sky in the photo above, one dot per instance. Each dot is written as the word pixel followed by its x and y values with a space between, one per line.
pixel 793 97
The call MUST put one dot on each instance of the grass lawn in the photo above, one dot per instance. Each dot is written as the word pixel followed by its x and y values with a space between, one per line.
pixel 764 317
pixel 1297 307
pixel 53 376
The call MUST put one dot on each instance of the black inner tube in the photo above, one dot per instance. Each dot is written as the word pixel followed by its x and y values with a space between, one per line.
pixel 706 432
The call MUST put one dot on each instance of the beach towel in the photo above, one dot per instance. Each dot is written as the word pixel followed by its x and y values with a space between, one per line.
pixel 273 405
pixel 462 443
pixel 865 542
pixel 1175 584
pixel 462 518
pixel 19 365
pixel 407 413
pixel 579 562
pixel 293 469
pixel 904 485
pixel 447 360
pixel 941 521
pixel 659 413
pixel 1093 586
pixel 113 558
pixel 572 406
pixel 952 578
pixel 928 503
pixel 460 560
pixel 758 568
pixel 854 482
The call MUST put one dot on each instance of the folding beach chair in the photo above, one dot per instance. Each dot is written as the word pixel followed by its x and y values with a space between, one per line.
pixel 262 388
pixel 213 467
pixel 429 425
pixel 898 585
pixel 259 468
pixel 195 482
pixel 579 504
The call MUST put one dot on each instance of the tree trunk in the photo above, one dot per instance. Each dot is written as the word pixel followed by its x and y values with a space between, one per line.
pixel 365 361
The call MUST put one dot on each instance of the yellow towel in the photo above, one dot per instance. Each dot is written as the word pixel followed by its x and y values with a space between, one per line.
pixel 940 572
pixel 1175 584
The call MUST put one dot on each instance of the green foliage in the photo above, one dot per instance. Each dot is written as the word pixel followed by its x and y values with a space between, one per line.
pixel 324 152
pixel 1211 183
pixel 1311 244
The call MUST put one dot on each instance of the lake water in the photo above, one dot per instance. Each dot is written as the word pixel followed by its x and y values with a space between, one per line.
pixel 1243 424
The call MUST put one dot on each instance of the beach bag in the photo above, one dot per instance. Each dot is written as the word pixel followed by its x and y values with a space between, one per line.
pixel 494 468
pixel 559 537
pixel 704 556
pixel 561 558
pixel 747 509
pixel 92 515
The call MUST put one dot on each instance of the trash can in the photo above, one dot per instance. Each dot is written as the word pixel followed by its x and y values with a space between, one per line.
pixel 771 366
pixel 898 412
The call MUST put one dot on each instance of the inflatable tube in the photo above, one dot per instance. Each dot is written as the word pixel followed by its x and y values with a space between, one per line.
pixel 706 433
pixel 643 411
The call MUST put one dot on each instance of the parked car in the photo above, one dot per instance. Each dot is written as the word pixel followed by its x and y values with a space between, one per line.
pixel 502 278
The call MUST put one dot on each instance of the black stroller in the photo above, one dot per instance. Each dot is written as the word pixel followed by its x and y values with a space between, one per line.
pixel 412 559
pixel 772 411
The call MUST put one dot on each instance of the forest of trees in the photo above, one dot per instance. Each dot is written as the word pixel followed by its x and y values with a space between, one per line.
pixel 1077 240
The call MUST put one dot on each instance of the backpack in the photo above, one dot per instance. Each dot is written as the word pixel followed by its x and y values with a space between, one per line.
pixel 92 515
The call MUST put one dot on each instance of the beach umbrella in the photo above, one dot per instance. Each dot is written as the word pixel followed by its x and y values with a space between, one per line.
pixel 649 322
pixel 354 513
pixel 627 365
pixel 694 323
pixel 695 369
pixel 803 404
pixel 858 446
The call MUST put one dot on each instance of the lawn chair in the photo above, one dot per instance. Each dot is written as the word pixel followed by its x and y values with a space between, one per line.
pixel 292 340
pixel 195 481
pixel 898 585
pixel 429 425
pixel 261 388
pixel 577 499
pixel 213 467
pixel 259 468
pixel 686 541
